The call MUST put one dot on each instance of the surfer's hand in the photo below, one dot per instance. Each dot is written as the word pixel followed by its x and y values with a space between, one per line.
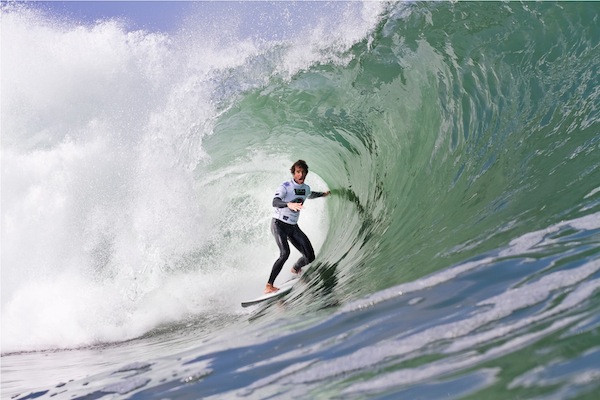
pixel 295 206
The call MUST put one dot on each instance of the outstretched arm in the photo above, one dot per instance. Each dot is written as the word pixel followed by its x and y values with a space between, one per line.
pixel 315 195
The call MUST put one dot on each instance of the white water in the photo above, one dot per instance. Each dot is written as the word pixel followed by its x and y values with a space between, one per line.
pixel 112 223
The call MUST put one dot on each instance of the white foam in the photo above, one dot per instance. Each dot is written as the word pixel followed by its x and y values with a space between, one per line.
pixel 530 241
pixel 114 220
pixel 593 192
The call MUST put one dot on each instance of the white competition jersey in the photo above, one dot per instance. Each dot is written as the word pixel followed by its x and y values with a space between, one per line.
pixel 292 192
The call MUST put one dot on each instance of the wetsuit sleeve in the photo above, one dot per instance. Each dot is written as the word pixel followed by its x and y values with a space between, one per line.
pixel 315 195
pixel 278 203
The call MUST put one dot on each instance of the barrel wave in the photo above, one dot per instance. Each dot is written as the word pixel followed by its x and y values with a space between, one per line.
pixel 458 255
pixel 444 137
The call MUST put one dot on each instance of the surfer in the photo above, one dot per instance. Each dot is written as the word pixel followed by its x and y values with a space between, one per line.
pixel 288 201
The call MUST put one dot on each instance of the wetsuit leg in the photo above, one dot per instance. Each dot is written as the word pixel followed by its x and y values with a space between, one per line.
pixel 301 242
pixel 281 237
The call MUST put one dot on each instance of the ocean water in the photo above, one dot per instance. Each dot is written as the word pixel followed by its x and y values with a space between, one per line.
pixel 458 256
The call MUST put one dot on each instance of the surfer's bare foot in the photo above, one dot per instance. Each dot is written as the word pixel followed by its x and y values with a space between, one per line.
pixel 270 289
pixel 296 271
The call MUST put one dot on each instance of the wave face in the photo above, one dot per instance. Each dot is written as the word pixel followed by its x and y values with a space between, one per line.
pixel 459 253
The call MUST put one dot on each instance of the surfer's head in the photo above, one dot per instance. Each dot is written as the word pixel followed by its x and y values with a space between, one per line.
pixel 299 170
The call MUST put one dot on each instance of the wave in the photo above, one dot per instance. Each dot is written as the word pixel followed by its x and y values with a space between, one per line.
pixel 138 167
pixel 458 253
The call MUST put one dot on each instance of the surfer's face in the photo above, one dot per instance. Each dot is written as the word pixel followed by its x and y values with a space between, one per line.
pixel 299 175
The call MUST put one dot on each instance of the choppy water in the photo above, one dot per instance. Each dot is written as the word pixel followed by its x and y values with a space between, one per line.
pixel 459 255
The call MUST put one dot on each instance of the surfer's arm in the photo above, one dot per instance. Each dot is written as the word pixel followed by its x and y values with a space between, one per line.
pixel 316 195
pixel 278 203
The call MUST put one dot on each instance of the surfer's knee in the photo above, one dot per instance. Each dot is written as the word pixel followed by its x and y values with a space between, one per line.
pixel 284 254
pixel 304 260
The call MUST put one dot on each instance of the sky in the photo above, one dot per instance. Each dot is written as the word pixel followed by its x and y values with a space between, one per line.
pixel 163 16
pixel 168 16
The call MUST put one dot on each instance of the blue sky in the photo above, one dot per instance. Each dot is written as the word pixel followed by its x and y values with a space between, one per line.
pixel 148 15
pixel 257 17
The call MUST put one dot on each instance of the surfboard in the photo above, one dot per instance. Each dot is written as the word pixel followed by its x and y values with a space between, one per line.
pixel 283 289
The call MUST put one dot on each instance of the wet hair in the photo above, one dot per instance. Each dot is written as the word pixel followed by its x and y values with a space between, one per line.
pixel 300 163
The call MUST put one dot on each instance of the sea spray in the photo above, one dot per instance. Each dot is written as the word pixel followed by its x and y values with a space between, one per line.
pixel 113 221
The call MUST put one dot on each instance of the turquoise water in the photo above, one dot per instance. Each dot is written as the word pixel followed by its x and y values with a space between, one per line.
pixel 458 255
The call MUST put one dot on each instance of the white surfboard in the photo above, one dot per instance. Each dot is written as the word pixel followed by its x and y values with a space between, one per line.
pixel 283 289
